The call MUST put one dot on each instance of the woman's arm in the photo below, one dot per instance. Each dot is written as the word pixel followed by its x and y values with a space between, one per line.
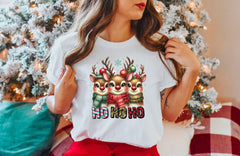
pixel 60 96
pixel 175 98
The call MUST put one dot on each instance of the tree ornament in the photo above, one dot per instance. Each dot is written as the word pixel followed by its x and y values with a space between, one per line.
pixel 123 73
pixel 133 68
pixel 32 5
pixel 206 106
pixel 201 88
pixel 102 70
pixel 3 54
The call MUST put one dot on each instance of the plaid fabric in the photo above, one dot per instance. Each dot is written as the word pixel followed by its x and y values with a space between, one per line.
pixel 221 136
pixel 136 98
pixel 118 100
pixel 62 141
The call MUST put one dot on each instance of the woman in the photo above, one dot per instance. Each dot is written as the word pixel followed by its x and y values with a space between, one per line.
pixel 121 37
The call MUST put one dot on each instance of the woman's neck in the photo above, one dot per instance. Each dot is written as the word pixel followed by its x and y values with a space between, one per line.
pixel 118 30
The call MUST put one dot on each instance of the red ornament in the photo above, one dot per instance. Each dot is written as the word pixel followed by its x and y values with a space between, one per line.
pixel 102 70
pixel 123 73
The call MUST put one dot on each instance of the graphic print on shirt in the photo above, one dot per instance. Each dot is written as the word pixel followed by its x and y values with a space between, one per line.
pixel 117 95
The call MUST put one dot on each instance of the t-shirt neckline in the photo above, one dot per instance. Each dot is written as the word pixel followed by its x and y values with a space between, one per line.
pixel 106 43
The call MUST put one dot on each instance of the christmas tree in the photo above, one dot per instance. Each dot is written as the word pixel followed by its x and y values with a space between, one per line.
pixel 29 27
pixel 183 19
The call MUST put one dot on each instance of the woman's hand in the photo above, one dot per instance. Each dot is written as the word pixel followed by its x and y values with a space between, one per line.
pixel 180 52
pixel 65 90
pixel 179 95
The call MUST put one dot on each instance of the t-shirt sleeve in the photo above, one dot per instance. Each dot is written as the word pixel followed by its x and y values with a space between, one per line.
pixel 56 62
pixel 167 80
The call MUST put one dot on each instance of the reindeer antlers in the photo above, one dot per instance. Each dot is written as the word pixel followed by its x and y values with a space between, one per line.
pixel 93 70
pixel 142 68
pixel 128 64
pixel 109 68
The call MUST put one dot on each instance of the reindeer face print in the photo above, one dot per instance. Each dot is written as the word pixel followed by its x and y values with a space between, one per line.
pixel 118 91
pixel 117 85
pixel 135 85
pixel 100 86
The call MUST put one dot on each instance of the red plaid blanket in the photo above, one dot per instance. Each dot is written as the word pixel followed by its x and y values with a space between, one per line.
pixel 221 135
pixel 62 141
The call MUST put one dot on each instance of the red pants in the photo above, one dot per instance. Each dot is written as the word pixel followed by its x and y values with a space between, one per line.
pixel 91 147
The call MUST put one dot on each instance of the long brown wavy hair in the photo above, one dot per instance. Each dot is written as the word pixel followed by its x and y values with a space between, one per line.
pixel 94 16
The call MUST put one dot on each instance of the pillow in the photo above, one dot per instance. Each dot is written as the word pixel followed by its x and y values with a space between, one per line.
pixel 23 132
pixel 176 139
pixel 221 135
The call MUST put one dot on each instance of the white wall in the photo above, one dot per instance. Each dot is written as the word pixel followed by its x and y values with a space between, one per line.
pixel 5 3
pixel 223 38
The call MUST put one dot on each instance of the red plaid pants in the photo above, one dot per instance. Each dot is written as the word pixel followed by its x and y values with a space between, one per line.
pixel 92 147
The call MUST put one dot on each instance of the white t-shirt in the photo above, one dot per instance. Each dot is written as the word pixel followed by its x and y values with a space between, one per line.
pixel 124 107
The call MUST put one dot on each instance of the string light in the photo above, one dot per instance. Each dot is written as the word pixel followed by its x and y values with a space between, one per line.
pixel 206 106
pixel 206 69
pixel 201 88
pixel 159 7
pixel 71 5
pixel 17 90
pixel 192 5
pixel 24 98
pixel 31 5
pixel 37 65
pixel 193 24
pixel 58 19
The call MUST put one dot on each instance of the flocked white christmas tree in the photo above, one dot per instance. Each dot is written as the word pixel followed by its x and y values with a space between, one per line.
pixel 29 27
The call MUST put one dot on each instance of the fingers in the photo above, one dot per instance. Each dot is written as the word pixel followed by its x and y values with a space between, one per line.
pixel 170 56
pixel 172 50
pixel 60 77
pixel 68 72
pixel 72 78
pixel 173 42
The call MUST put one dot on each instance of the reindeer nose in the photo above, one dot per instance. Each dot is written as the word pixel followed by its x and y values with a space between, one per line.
pixel 117 87
pixel 134 87
pixel 102 88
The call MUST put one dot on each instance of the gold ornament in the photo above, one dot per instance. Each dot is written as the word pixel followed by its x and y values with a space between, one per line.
pixel 16 90
pixel 3 54
pixel 32 5
pixel 206 106
pixel 58 19
pixel 201 88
